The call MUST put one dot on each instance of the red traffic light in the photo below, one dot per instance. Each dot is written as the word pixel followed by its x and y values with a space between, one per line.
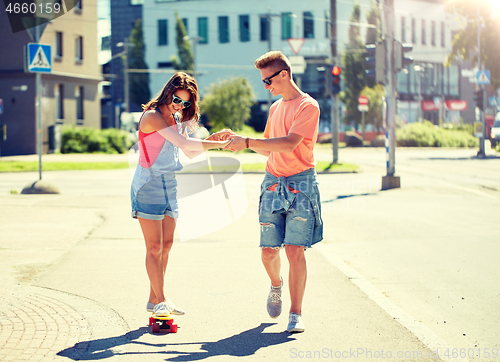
pixel 336 70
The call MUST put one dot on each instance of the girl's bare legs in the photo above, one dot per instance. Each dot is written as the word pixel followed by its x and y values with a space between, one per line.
pixel 158 235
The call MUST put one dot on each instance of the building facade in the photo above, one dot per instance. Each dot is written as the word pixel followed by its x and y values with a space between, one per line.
pixel 69 92
pixel 427 89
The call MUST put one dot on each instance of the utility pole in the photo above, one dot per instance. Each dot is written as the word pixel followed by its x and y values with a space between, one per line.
pixel 125 75
pixel 390 181
pixel 335 97
pixel 482 152
pixel 268 16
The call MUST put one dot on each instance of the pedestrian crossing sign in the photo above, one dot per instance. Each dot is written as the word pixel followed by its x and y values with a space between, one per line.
pixel 38 58
pixel 483 77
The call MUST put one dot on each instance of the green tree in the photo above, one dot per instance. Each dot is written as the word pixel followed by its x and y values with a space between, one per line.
pixel 139 82
pixel 373 17
pixel 185 61
pixel 353 73
pixel 375 97
pixel 227 103
pixel 465 42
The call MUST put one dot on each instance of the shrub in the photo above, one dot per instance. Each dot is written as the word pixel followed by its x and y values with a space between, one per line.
pixel 87 139
pixel 426 134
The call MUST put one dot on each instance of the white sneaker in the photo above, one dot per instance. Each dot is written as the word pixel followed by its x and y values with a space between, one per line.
pixel 162 310
pixel 295 323
pixel 173 309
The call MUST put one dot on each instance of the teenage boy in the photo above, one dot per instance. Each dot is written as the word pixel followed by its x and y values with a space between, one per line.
pixel 289 207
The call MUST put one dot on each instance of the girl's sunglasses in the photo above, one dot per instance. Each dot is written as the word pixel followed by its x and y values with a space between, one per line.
pixel 268 79
pixel 178 100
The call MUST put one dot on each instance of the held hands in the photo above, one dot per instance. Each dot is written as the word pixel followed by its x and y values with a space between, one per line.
pixel 222 135
pixel 238 143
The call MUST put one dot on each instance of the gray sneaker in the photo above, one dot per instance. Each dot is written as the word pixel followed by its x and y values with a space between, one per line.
pixel 295 323
pixel 274 301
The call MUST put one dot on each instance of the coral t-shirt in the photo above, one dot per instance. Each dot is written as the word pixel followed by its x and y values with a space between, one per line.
pixel 299 116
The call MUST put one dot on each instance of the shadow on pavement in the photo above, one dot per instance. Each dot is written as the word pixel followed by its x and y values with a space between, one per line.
pixel 243 344
pixel 340 197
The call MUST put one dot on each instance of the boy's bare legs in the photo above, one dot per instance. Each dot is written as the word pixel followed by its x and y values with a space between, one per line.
pixel 272 264
pixel 297 276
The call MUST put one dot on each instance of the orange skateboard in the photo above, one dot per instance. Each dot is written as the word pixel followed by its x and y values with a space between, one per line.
pixel 162 324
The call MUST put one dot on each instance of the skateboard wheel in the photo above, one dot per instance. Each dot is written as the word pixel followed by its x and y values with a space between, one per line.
pixel 173 328
pixel 151 321
pixel 170 321
pixel 155 328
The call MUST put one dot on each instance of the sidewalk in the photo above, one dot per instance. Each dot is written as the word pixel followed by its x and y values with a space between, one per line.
pixel 75 286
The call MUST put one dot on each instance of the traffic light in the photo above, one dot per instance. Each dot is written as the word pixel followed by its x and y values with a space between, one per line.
pixel 478 98
pixel 336 71
pixel 321 80
pixel 401 60
pixel 375 64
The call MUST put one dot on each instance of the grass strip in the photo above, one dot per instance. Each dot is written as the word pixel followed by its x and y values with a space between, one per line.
pixel 30 166
pixel 26 166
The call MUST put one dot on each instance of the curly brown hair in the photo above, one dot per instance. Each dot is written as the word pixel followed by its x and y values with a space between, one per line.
pixel 179 80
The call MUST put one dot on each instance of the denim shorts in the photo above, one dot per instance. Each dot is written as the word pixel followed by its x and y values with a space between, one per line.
pixel 292 227
pixel 154 196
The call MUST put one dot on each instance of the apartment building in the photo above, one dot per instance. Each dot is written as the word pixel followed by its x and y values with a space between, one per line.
pixel 69 92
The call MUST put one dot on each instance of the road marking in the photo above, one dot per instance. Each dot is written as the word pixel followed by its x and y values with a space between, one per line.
pixel 419 330
pixel 474 191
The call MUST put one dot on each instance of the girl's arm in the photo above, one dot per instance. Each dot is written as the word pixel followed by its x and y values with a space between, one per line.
pixel 154 122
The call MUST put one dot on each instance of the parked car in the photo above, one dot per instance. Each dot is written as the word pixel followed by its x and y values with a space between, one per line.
pixel 495 131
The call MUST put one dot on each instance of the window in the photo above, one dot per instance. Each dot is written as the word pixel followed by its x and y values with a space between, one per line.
pixel 264 29
pixel 424 35
pixel 106 42
pixel 186 24
pixel 327 24
pixel 203 30
pixel 162 32
pixel 79 48
pixel 443 31
pixel 286 26
pixel 308 25
pixel 136 2
pixel 59 44
pixel 244 28
pixel 163 65
pixel 414 31
pixel 79 96
pixel 223 29
pixel 403 29
pixel 433 33
pixel 59 100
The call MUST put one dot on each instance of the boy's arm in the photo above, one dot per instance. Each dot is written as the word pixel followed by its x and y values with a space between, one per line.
pixel 281 144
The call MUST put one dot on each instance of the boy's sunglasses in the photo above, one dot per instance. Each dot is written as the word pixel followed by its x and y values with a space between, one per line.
pixel 268 79
pixel 178 100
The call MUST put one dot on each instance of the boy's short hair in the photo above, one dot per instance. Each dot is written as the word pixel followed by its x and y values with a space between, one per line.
pixel 274 59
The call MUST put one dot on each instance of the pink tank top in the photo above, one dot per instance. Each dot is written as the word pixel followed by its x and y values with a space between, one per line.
pixel 150 145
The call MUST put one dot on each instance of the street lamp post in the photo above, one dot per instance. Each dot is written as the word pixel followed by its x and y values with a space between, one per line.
pixel 125 44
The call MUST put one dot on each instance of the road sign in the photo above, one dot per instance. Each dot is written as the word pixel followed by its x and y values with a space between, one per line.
pixel 1 106
pixel 493 102
pixel 483 77
pixel 296 44
pixel 298 64
pixel 362 100
pixel 363 107
pixel 39 58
